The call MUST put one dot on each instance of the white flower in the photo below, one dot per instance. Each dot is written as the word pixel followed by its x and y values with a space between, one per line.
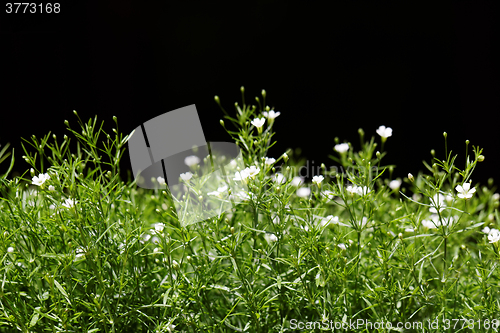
pixel 384 132
pixel 409 230
pixel 52 188
pixel 296 181
pixel 258 122
pixel 270 237
pixel 145 238
pixel 364 222
pixel 395 184
pixel 496 196
pixel 271 114
pixel 40 179
pixel 10 249
pixel 155 240
pixel 429 224
pixel 191 160
pixel 233 163
pixel 352 189
pixel 241 175
pixel 342 246
pixel 303 192
pixel 161 180
pixel 186 176
pixel 279 178
pixel 276 220
pixel 464 191
pixel 171 328
pixel 328 194
pixel 69 203
pixel 318 179
pixel 486 230
pixel 156 250
pixel 252 171
pixel 329 219
pixel 159 227
pixel 494 236
pixel 219 191
pixel 341 147
pixel 363 190
pixel 437 203
pixel 269 161
pixel 80 252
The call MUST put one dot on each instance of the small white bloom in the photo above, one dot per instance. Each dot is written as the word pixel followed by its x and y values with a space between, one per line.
pixel 318 179
pixel 279 178
pixel 496 196
pixel 241 175
pixel 269 161
pixel 80 252
pixel 271 114
pixel 486 230
pixel 363 190
pixel 186 176
pixel 252 171
pixel 342 246
pixel 341 147
pixel 258 122
pixel 276 220
pixel 352 189
pixel 429 224
pixel 161 180
pixel 329 219
pixel 171 328
pixel 270 237
pixel 409 230
pixel 10 249
pixel 40 179
pixel 191 160
pixel 69 203
pixel 219 191
pixel 384 132
pixel 146 237
pixel 329 194
pixel 395 184
pixel 159 227
pixel 52 188
pixel 156 250
pixel 364 222
pixel 155 240
pixel 438 203
pixel 296 181
pixel 233 164
pixel 464 191
pixel 303 192
pixel 494 236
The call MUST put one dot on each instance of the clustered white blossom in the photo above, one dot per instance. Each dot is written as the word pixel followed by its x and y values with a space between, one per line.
pixel 384 132
pixel 269 161
pixel 303 192
pixel 464 191
pixel 250 172
pixel 69 203
pixel 219 191
pixel 341 147
pixel 317 179
pixel 186 176
pixel 191 160
pixel 40 179
pixel 359 190
pixel 258 122
pixel 271 114
pixel 493 234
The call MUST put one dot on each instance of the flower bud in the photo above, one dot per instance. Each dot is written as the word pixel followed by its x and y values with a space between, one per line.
pixel 433 152
pixel 285 157
pixel 32 172
pixel 232 230
pixel 66 123
pixel 377 154
pixel 445 135
pixel 221 122
pixel 263 93
pixel 467 142
pixel 217 100
pixel 480 158
pixel 411 178
pixel 400 235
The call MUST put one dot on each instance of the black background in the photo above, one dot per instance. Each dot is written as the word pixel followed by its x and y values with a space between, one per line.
pixel 420 69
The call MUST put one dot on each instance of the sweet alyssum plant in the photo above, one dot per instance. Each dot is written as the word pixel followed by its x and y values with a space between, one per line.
pixel 83 250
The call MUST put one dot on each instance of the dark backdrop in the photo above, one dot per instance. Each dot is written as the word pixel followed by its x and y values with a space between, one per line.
pixel 420 69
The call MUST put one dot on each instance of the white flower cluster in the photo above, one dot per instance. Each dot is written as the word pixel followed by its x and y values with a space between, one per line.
pixel 493 234
pixel 250 172
pixel 359 190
